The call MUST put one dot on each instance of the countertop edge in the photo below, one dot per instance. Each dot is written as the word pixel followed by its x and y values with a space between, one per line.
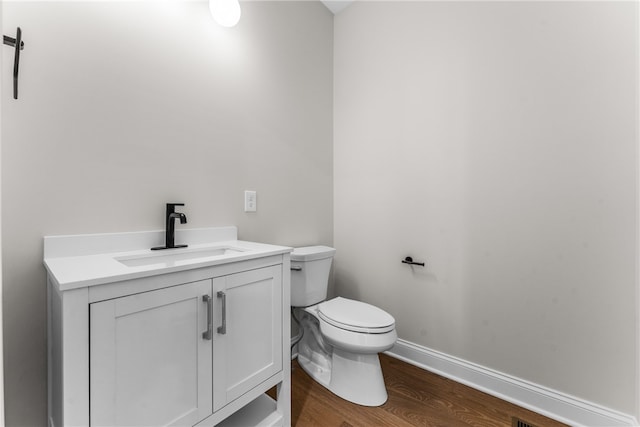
pixel 80 270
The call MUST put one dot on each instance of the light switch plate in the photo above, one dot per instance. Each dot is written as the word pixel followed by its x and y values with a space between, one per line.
pixel 250 201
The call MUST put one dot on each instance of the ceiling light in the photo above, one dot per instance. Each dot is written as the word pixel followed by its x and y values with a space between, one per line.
pixel 225 12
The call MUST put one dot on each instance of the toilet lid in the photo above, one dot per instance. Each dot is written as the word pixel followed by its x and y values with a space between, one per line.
pixel 311 253
pixel 356 316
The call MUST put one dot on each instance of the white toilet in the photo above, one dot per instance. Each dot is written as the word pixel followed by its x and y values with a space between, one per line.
pixel 341 337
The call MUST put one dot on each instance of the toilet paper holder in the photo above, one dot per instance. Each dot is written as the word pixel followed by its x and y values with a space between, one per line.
pixel 409 260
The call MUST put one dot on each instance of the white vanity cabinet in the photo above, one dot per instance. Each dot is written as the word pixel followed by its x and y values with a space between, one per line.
pixel 148 360
pixel 248 352
pixel 194 345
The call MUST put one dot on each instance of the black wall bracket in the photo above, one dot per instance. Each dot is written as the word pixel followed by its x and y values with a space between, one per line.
pixel 18 44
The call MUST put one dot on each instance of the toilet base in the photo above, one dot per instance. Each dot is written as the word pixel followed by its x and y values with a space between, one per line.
pixel 353 377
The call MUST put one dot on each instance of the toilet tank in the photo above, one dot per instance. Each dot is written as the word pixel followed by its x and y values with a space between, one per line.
pixel 310 268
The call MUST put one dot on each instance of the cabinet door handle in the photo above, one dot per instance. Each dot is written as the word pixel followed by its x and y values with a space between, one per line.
pixel 223 328
pixel 207 335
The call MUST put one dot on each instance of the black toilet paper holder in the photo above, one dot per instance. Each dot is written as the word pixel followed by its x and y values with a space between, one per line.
pixel 409 260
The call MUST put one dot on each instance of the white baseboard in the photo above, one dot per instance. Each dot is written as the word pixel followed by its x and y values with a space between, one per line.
pixel 545 401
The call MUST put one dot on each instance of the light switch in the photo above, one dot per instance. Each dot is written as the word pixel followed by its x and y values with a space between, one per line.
pixel 250 201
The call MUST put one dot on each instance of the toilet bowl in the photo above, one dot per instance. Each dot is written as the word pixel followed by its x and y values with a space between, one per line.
pixel 356 326
pixel 341 337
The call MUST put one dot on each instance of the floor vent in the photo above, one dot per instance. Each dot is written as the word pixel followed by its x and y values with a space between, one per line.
pixel 517 422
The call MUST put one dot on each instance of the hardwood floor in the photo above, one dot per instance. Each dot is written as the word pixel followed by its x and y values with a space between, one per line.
pixel 416 398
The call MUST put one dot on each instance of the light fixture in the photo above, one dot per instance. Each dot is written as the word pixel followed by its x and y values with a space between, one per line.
pixel 225 12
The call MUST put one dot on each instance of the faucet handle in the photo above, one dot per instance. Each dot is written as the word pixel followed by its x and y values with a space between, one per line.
pixel 171 207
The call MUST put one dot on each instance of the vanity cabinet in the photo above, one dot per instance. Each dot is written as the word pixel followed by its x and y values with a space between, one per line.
pixel 195 347
pixel 250 350
pixel 149 362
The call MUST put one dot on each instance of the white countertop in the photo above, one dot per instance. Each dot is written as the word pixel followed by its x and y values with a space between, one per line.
pixel 89 260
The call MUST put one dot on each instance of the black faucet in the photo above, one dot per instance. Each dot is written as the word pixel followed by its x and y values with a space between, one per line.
pixel 170 232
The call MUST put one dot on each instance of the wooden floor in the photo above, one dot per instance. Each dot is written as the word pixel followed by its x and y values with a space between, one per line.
pixel 416 398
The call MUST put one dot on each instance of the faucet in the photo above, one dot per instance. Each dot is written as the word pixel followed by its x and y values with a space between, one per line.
pixel 170 230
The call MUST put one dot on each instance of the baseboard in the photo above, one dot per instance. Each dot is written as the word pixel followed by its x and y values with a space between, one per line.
pixel 545 401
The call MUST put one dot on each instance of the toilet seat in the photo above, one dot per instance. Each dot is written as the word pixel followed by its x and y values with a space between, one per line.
pixel 356 316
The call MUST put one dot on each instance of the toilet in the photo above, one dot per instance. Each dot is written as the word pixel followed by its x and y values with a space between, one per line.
pixel 341 337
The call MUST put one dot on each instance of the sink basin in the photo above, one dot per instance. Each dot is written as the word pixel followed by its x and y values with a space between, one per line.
pixel 172 257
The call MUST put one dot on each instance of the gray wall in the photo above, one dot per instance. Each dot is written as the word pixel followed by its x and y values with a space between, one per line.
pixel 496 141
pixel 125 106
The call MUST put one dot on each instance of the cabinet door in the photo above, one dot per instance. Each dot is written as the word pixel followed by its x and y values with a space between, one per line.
pixel 150 364
pixel 250 350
